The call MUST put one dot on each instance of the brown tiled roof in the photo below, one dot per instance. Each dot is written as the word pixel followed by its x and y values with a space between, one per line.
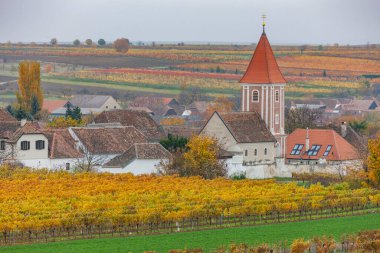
pixel 109 140
pixel 247 127
pixel 6 116
pixel 28 128
pixel 89 101
pixel 263 68
pixel 61 144
pixel 7 128
pixel 139 151
pixel 139 119
pixel 360 105
pixel 52 105
pixel 160 106
pixel 341 150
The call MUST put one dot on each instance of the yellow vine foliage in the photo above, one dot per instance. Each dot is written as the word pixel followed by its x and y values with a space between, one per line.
pixel 62 122
pixel 373 160
pixel 45 199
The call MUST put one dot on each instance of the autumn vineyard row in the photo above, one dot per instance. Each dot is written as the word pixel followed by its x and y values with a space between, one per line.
pixel 42 205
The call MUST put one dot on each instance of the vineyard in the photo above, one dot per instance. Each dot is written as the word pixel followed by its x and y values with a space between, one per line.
pixel 330 71
pixel 48 206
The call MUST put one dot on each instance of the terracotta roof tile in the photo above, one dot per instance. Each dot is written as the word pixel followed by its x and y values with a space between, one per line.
pixel 61 144
pixel 139 151
pixel 247 127
pixel 139 119
pixel 6 116
pixel 28 128
pixel 109 140
pixel 263 68
pixel 52 105
pixel 341 150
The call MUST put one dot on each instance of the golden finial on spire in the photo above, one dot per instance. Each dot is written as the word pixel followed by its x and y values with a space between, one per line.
pixel 263 17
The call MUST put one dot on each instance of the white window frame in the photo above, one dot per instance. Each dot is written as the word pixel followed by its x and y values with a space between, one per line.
pixel 277 119
pixel 258 96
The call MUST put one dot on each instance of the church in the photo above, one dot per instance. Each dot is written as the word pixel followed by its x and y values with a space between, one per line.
pixel 255 136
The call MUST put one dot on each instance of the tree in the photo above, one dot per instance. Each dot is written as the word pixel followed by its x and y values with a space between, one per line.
pixel 189 95
pixel 303 48
pixel 301 118
pixel 64 122
pixel 89 42
pixel 174 142
pixel 222 104
pixel 121 45
pixel 90 159
pixel 359 126
pixel 29 84
pixel 35 106
pixel 199 159
pixel 373 160
pixel 76 42
pixel 101 42
pixel 53 41
pixel 75 113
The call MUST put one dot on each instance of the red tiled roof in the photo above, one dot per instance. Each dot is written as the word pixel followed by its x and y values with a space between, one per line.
pixel 61 144
pixel 341 150
pixel 52 105
pixel 263 68
pixel 6 116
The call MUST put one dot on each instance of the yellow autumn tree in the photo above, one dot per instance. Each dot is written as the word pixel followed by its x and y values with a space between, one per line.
pixel 201 158
pixel 222 104
pixel 62 122
pixel 373 160
pixel 29 94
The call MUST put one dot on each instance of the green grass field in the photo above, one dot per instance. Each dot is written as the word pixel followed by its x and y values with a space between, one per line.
pixel 211 239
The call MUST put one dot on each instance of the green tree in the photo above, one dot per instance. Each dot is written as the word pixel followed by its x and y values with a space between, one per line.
pixel 89 42
pixel 174 143
pixel 101 42
pixel 76 42
pixel 35 106
pixel 359 126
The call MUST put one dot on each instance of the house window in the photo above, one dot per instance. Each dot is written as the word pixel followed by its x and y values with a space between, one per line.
pixel 2 145
pixel 314 150
pixel 114 107
pixel 246 153
pixel 265 151
pixel 327 150
pixel 277 119
pixel 297 149
pixel 25 145
pixel 67 166
pixel 277 96
pixel 255 96
pixel 40 144
pixel 106 106
pixel 255 152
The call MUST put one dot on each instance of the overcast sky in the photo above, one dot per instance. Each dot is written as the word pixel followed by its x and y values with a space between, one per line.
pixel 288 22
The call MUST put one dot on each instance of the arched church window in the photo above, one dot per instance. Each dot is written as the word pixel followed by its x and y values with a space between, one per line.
pixel 277 96
pixel 255 96
pixel 246 153
pixel 255 152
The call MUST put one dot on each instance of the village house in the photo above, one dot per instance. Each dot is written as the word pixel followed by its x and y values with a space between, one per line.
pixel 90 104
pixel 360 107
pixel 320 150
pixel 245 135
pixel 139 119
pixel 56 108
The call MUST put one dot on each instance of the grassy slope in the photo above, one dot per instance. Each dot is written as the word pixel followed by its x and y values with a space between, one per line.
pixel 211 239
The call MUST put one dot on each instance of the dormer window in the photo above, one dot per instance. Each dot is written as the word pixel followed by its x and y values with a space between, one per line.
pixel 40 144
pixel 25 145
pixel 255 96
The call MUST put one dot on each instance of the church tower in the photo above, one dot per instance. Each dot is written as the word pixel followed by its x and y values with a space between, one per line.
pixel 263 91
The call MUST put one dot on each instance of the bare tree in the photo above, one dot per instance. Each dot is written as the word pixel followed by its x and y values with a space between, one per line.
pixel 301 118
pixel 92 157
pixel 7 152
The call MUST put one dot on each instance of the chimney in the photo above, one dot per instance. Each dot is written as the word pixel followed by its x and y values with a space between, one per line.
pixel 307 146
pixel 343 129
pixel 23 122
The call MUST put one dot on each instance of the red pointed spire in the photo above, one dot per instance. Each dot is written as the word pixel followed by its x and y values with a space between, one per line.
pixel 263 68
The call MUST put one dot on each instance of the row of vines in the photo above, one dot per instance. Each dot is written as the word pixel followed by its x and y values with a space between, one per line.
pixel 60 201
